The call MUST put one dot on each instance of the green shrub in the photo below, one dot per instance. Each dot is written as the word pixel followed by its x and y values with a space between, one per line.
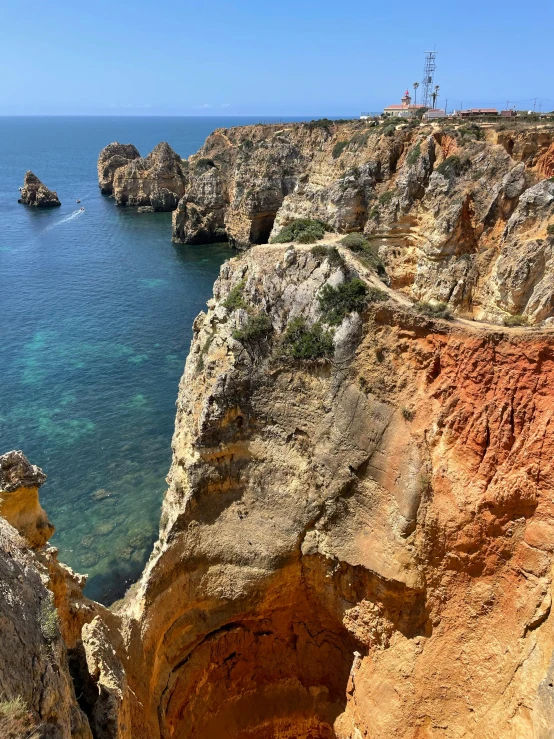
pixel 517 320
pixel 471 132
pixel 337 302
pixel 453 166
pixel 338 148
pixel 414 155
pixel 49 621
pixel 257 327
pixel 307 342
pixel 386 197
pixel 358 140
pixel 374 295
pixel 433 310
pixel 301 228
pixel 550 229
pixel 324 123
pixel 235 300
pixel 306 237
pixel 407 414
pixel 16 721
pixel 321 251
pixel 373 214
pixel 356 242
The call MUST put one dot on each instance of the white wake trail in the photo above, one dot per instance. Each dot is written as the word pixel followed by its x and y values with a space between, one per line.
pixel 65 220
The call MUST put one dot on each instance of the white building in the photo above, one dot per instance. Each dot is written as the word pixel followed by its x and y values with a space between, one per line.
pixel 405 109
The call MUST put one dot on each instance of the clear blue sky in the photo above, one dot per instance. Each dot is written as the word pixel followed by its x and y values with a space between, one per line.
pixel 302 57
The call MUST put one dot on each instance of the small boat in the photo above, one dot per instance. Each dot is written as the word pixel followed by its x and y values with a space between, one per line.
pixel 81 208
pixel 78 201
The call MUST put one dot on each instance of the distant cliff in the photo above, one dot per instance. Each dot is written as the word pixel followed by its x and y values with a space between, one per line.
pixel 156 181
pixel 459 213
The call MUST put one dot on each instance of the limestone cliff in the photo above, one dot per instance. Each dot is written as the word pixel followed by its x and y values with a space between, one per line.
pixel 156 181
pixel 35 193
pixel 112 157
pixel 357 546
pixel 460 214
pixel 52 662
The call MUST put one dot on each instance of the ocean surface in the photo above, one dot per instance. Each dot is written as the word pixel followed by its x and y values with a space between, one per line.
pixel 96 309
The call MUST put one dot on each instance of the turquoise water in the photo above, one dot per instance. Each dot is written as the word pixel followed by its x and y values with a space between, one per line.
pixel 96 314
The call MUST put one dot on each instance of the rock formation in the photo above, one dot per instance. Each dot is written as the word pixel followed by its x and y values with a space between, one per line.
pixel 155 182
pixel 35 193
pixel 359 544
pixel 457 212
pixel 111 158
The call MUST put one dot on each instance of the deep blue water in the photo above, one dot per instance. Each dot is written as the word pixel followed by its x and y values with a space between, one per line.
pixel 96 313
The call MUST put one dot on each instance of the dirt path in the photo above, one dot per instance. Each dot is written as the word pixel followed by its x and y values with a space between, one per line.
pixel 372 279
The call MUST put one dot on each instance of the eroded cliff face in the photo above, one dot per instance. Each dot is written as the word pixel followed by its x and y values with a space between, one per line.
pixel 36 194
pixel 459 213
pixel 359 547
pixel 155 182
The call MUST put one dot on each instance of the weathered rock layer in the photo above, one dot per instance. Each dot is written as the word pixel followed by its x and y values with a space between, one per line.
pixel 354 548
pixel 35 193
pixel 459 214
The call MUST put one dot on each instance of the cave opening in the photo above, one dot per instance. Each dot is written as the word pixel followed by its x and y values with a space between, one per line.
pixel 283 676
pixel 261 227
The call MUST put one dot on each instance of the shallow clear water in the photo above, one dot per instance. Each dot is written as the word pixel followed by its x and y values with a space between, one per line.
pixel 96 311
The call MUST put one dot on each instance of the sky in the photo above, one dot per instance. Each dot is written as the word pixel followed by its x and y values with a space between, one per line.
pixel 291 58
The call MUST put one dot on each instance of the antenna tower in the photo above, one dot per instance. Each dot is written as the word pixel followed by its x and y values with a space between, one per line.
pixel 428 72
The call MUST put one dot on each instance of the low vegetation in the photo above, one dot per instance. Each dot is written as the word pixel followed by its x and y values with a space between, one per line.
pixel 335 303
pixel 453 166
pixel 49 621
pixel 322 251
pixel 433 310
pixel 235 298
pixel 302 341
pixel 517 320
pixel 338 148
pixel 408 414
pixel 414 155
pixel 386 197
pixel 257 328
pixel 550 229
pixel 16 721
pixel 302 230
pixel 367 254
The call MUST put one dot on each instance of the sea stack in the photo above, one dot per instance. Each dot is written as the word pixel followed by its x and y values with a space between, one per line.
pixel 112 157
pixel 35 193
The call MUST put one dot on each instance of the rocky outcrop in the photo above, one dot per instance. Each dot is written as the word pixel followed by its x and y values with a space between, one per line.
pixel 439 202
pixel 52 662
pixel 35 193
pixel 157 180
pixel 353 547
pixel 112 157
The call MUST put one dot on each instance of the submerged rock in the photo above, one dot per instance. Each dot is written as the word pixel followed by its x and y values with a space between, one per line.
pixel 35 193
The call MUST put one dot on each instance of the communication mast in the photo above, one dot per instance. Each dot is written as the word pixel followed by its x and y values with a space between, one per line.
pixel 428 72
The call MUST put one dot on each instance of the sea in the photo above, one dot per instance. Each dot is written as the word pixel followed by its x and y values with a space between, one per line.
pixel 96 309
